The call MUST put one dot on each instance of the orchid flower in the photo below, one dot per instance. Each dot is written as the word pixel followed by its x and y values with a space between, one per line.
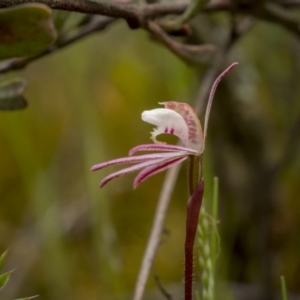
pixel 175 118
pixel 181 120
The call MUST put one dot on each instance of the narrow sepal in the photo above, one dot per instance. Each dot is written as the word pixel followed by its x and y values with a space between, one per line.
pixel 130 160
pixel 162 147
pixel 126 171
pixel 211 97
pixel 152 170
pixel 138 167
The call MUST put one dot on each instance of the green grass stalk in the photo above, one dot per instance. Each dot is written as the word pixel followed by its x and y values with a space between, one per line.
pixel 283 288
pixel 204 256
pixel 214 239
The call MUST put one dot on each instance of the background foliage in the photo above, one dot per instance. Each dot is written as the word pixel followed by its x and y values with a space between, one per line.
pixel 70 240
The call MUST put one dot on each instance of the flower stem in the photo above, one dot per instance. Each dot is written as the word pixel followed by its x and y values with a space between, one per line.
pixel 193 209
pixel 194 173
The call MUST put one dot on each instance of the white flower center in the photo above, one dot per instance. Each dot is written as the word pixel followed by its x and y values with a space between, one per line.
pixel 167 121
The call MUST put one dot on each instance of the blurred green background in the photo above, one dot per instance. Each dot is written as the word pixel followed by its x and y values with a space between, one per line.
pixel 69 240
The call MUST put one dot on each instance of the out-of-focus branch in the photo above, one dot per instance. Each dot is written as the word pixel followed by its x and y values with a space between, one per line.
pixel 97 23
pixel 290 148
pixel 135 15
pixel 289 3
pixel 83 6
pixel 138 15
pixel 211 74
pixel 273 13
pixel 184 51
pixel 161 287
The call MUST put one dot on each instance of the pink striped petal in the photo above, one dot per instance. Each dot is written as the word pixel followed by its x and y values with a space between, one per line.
pixel 162 147
pixel 131 160
pixel 128 170
pixel 136 168
pixel 157 168
pixel 195 134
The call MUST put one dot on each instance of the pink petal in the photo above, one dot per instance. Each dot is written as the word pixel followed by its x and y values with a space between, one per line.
pixel 131 160
pixel 162 147
pixel 130 169
pixel 157 168
pixel 195 135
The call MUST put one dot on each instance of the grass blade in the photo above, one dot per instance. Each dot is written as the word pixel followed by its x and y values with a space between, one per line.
pixel 2 259
pixel 283 288
pixel 4 279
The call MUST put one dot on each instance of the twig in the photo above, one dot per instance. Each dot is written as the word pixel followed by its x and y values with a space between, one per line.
pixel 276 14
pixel 212 73
pixel 184 51
pixel 83 6
pixel 135 15
pixel 141 13
pixel 98 23
pixel 193 9
pixel 162 288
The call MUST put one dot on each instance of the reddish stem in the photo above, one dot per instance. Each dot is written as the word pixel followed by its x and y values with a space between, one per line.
pixel 193 209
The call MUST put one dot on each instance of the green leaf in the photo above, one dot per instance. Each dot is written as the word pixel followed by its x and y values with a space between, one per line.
pixel 2 259
pixel 11 95
pixel 25 30
pixel 4 279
